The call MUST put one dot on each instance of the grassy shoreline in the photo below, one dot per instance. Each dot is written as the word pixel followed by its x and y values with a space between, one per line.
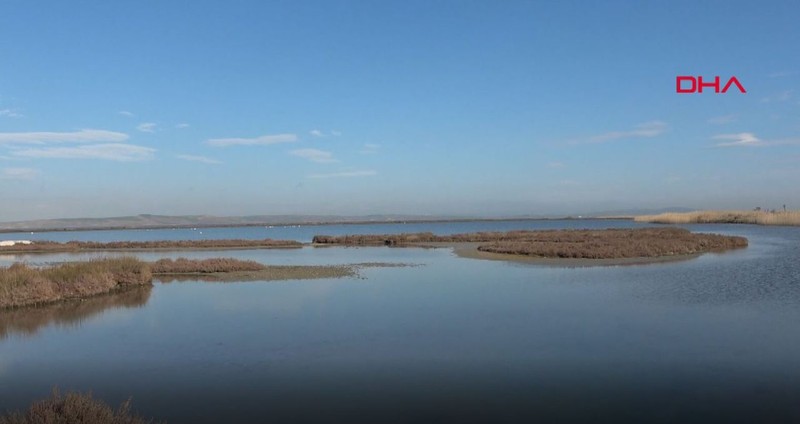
pixel 165 245
pixel 788 218
pixel 22 285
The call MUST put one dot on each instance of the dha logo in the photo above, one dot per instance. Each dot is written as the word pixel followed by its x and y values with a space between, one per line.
pixel 696 85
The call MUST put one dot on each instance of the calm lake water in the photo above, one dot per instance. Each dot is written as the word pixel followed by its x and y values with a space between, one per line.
pixel 451 340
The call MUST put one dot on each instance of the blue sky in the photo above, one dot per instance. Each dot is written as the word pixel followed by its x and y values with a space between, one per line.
pixel 421 107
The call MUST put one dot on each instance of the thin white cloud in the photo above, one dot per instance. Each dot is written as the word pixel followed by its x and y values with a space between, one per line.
pixel 10 113
pixel 257 141
pixel 347 174
pixel 781 74
pixel 147 127
pixel 331 133
pixel 314 155
pixel 738 140
pixel 126 113
pixel 82 136
pixel 644 130
pixel 201 159
pixel 779 97
pixel 555 165
pixel 182 125
pixel 722 120
pixel 370 149
pixel 19 174
pixel 115 152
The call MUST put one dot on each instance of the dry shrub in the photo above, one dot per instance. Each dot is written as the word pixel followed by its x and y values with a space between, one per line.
pixel 190 266
pixel 73 408
pixel 725 217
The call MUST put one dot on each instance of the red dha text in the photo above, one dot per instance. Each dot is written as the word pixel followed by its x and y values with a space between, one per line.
pixel 689 84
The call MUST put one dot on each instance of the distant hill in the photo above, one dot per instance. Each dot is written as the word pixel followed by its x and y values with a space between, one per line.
pixel 636 212
pixel 147 221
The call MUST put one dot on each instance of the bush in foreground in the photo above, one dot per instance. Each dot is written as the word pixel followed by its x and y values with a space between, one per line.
pixel 73 408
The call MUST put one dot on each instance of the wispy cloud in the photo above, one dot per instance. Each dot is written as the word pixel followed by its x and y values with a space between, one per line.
pixel 747 139
pixel 10 113
pixel 201 159
pixel 19 173
pixel 126 113
pixel 781 74
pixel 555 165
pixel 314 155
pixel 346 174
pixel 82 136
pixel 722 120
pixel 643 130
pixel 738 140
pixel 115 152
pixel 257 141
pixel 369 149
pixel 147 127
pixel 182 125
pixel 318 133
pixel 779 97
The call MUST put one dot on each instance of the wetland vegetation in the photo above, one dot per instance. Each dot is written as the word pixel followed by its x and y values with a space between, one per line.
pixel 555 244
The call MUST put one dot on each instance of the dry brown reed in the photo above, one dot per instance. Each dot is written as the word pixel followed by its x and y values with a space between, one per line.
pixel 725 217
pixel 184 266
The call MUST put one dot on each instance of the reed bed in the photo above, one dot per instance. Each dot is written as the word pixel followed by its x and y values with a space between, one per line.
pixel 185 266
pixel 619 244
pixel 724 217
pixel 587 244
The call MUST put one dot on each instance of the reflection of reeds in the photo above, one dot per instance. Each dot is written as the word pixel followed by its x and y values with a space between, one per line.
pixel 73 407
pixel 594 244
pixel 28 321
pixel 73 246
pixel 21 285
pixel 725 217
